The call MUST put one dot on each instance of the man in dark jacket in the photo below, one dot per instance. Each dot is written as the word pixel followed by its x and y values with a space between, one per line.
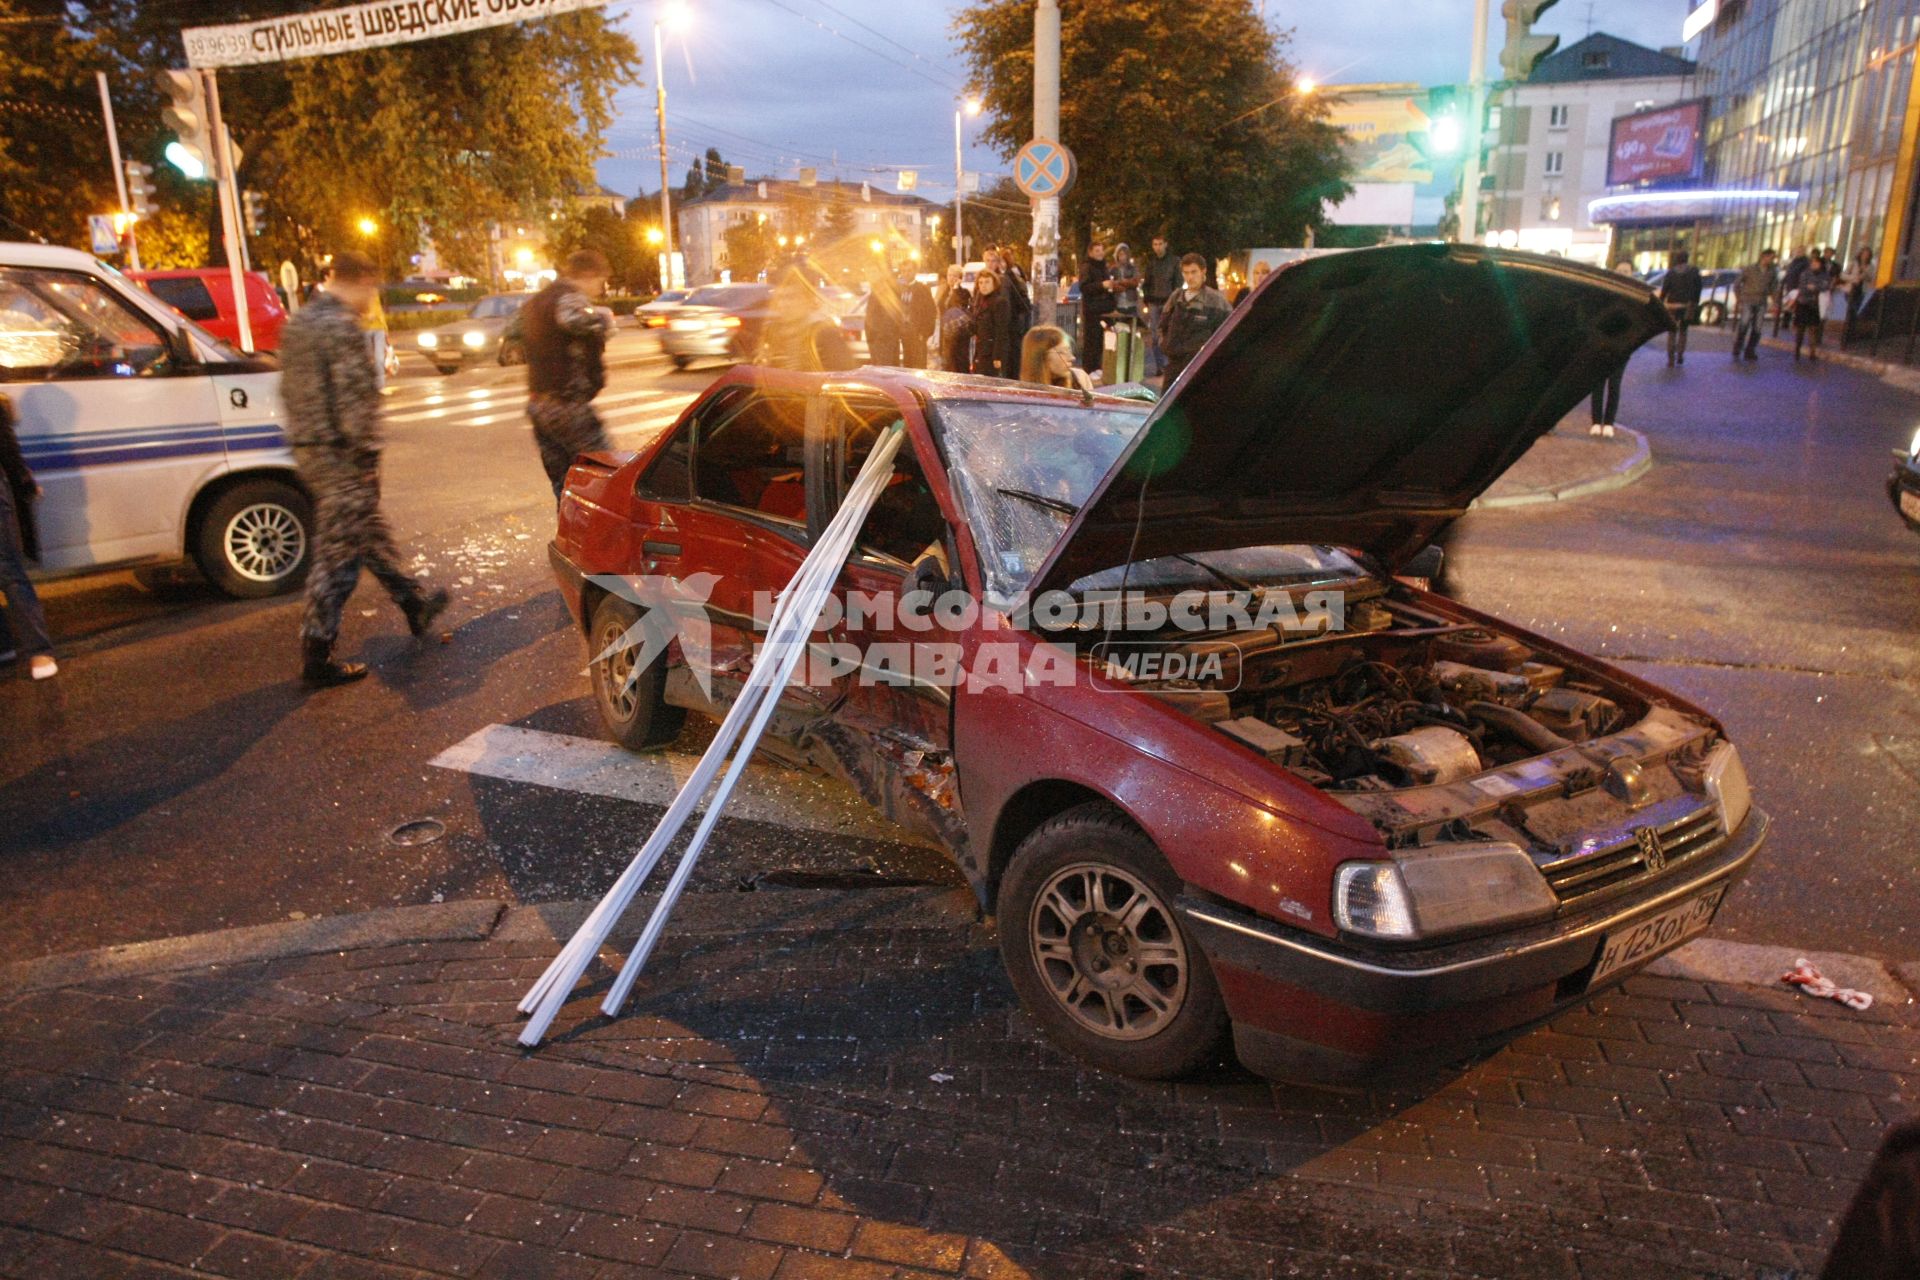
pixel 922 318
pixel 1014 281
pixel 1680 291
pixel 1191 316
pixel 1096 304
pixel 332 399
pixel 1159 277
pixel 1789 281
pixel 886 320
pixel 24 615
pixel 565 344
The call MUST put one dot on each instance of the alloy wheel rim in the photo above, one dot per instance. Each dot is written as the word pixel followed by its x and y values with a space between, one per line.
pixel 1108 952
pixel 623 691
pixel 264 542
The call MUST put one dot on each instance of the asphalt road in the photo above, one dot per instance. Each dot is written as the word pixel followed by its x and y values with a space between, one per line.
pixel 175 778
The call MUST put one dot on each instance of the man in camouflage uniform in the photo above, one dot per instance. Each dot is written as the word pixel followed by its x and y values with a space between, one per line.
pixel 566 339
pixel 332 400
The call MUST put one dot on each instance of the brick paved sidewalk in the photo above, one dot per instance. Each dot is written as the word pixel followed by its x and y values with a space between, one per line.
pixel 840 1085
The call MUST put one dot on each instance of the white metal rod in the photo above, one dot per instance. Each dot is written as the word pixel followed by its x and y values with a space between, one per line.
pixel 879 465
pixel 795 616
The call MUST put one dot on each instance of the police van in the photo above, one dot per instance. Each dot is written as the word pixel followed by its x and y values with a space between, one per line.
pixel 152 440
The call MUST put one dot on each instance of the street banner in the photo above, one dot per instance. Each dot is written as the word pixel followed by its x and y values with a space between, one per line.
pixel 359 26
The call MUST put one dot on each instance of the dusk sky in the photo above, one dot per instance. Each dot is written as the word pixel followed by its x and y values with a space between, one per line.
pixel 769 84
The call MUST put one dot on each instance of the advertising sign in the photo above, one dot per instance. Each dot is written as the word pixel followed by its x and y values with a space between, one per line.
pixel 358 26
pixel 1663 145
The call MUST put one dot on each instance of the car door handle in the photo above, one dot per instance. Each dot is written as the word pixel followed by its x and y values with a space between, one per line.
pixel 660 548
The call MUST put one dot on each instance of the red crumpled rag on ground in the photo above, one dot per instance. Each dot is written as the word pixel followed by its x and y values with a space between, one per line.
pixel 1811 981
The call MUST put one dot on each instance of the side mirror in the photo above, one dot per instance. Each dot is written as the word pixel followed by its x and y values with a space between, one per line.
pixel 1426 563
pixel 180 349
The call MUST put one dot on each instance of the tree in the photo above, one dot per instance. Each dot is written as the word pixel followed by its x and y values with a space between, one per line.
pixel 750 247
pixel 838 223
pixel 54 168
pixel 1001 214
pixel 1188 120
pixel 440 137
pixel 595 226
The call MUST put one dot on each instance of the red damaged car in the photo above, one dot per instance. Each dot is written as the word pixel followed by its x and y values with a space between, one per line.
pixel 1155 685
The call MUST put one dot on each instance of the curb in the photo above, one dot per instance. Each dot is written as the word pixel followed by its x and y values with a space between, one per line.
pixel 1624 473
pixel 471 920
pixel 786 911
pixel 1905 377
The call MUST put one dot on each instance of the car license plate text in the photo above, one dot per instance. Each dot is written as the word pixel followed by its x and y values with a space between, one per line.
pixel 1651 937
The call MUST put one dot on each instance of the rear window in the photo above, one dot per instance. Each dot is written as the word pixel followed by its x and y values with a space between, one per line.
pixel 727 295
pixel 186 294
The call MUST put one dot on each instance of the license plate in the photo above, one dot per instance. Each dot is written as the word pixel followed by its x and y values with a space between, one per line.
pixel 1910 504
pixel 1651 937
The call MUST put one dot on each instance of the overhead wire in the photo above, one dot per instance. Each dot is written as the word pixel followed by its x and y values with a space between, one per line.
pixel 949 84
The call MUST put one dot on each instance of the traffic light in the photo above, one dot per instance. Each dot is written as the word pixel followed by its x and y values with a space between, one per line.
pixel 1523 48
pixel 254 205
pixel 139 187
pixel 186 114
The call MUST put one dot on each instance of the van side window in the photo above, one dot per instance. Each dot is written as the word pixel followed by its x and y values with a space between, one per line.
pixel 186 294
pixel 62 325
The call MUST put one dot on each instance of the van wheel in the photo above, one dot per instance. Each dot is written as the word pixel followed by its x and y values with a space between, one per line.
pixel 255 539
pixel 1097 953
pixel 632 704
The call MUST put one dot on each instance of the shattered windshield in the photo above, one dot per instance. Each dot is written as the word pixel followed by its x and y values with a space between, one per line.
pixel 1022 469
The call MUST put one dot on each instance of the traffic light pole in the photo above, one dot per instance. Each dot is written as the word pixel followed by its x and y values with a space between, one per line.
pixel 226 191
pixel 119 174
pixel 1468 213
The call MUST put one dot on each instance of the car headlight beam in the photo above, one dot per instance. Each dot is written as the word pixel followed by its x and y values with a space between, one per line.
pixel 429 340
pixel 474 338
pixel 1439 890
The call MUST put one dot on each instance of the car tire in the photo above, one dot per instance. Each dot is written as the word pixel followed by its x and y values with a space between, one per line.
pixel 447 370
pixel 1712 312
pixel 681 362
pixel 635 712
pixel 255 539
pixel 1085 896
pixel 512 353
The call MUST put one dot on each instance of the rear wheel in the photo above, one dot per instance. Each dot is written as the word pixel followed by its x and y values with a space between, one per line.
pixel 681 362
pixel 1097 954
pixel 512 353
pixel 254 540
pixel 632 702
pixel 1712 312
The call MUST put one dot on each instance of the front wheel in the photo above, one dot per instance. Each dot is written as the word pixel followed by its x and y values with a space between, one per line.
pixel 254 539
pixel 681 362
pixel 1097 954
pixel 1712 312
pixel 631 698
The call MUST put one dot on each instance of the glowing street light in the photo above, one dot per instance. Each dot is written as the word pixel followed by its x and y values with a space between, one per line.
pixel 969 105
pixel 654 237
pixel 1307 86
pixel 876 246
pixel 367 226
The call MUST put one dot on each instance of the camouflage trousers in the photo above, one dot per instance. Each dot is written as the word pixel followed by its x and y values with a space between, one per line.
pixel 349 534
pixel 564 429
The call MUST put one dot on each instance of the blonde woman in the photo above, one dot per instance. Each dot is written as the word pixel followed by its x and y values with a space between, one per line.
pixel 1046 358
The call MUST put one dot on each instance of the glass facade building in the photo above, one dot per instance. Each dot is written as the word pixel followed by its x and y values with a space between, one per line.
pixel 1812 97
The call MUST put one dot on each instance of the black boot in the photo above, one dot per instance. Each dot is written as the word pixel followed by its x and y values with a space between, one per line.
pixel 318 670
pixel 422 611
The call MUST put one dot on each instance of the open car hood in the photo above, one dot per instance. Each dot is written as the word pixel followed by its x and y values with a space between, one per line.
pixel 1360 400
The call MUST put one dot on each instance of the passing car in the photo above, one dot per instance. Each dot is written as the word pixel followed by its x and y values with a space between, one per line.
pixel 718 322
pixel 204 295
pixel 1716 293
pixel 151 439
pixel 653 314
pixel 480 337
pixel 1903 486
pixel 853 324
pixel 1346 843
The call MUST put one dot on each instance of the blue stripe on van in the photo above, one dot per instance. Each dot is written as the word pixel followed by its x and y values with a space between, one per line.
pixel 94 449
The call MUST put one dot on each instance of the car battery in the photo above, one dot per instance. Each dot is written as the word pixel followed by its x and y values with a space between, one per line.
pixel 1275 744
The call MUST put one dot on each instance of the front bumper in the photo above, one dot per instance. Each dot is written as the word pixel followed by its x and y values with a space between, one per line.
pixel 697 342
pixel 1307 1008
pixel 1903 490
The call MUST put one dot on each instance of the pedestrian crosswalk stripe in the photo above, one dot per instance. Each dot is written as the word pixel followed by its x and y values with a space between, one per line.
pixel 767 793
pixel 503 403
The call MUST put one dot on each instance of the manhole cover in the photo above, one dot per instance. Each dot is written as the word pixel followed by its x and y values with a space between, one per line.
pixel 419 831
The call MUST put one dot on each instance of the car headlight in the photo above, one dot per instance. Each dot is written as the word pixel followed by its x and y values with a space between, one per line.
pixel 1913 450
pixel 1428 893
pixel 429 340
pixel 474 338
pixel 1727 786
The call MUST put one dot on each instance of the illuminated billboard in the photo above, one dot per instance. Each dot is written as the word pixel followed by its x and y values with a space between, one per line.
pixel 1664 145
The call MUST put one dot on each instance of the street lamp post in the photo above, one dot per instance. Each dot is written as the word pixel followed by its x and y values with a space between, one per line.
pixel 676 16
pixel 968 106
